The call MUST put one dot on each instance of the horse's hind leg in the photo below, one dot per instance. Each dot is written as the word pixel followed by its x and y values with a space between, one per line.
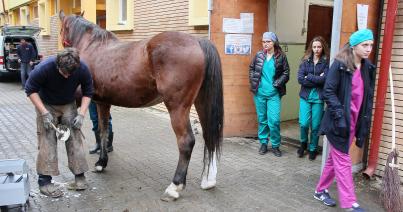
pixel 186 140
pixel 103 118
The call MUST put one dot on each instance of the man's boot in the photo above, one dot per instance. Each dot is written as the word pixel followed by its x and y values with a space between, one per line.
pixel 109 146
pixel 97 146
pixel 79 183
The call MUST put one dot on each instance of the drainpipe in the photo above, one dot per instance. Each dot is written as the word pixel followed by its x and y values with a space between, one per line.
pixel 335 46
pixel 210 9
pixel 391 12
pixel 381 6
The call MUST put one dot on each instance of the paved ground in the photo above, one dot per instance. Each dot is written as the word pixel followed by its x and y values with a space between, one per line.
pixel 144 161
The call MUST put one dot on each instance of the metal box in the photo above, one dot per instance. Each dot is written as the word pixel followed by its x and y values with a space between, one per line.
pixel 14 182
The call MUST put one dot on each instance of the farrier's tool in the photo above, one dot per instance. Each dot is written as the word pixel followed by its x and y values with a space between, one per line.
pixel 62 132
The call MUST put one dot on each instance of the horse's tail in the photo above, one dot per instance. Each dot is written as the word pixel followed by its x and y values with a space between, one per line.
pixel 209 102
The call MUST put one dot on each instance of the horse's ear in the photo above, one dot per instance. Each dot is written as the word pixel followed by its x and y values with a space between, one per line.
pixel 61 15
pixel 82 13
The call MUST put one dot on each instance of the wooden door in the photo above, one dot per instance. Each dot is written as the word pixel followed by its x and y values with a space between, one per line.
pixel 319 23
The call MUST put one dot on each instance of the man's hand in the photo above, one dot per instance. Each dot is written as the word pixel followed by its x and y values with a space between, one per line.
pixel 47 119
pixel 78 121
pixel 19 60
pixel 31 63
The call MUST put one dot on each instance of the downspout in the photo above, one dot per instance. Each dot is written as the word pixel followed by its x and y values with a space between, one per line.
pixel 391 12
pixel 210 9
pixel 377 54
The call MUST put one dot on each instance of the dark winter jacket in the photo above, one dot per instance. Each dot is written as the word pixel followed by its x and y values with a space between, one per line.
pixel 312 73
pixel 281 76
pixel 337 95
pixel 26 53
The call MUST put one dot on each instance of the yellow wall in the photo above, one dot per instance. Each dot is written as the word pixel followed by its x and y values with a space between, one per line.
pixel 44 16
pixel 198 12
pixel 112 16
pixel 89 8
pixel 15 3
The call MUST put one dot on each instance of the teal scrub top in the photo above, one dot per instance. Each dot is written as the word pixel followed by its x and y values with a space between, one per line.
pixel 314 96
pixel 266 87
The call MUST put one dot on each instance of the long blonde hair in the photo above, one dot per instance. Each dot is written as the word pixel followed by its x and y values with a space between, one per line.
pixel 346 56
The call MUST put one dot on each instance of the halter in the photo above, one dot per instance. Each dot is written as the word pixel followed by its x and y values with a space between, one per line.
pixel 66 43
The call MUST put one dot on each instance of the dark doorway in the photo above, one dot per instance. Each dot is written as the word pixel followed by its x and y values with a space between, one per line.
pixel 319 23
pixel 101 18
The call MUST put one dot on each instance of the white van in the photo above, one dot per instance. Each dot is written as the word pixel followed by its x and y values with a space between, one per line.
pixel 10 37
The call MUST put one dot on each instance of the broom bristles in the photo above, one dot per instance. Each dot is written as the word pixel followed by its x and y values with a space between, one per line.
pixel 390 192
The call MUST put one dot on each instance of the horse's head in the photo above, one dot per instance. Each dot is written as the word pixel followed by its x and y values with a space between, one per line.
pixel 69 26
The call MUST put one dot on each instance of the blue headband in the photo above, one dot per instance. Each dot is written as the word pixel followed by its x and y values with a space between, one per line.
pixel 361 36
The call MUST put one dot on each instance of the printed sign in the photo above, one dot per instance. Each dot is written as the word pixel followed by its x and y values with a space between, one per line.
pixel 238 44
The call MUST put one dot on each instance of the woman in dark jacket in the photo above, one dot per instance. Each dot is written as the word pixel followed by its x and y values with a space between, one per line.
pixel 311 75
pixel 268 74
pixel 348 93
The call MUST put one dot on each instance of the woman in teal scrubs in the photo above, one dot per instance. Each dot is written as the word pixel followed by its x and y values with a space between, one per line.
pixel 311 75
pixel 268 74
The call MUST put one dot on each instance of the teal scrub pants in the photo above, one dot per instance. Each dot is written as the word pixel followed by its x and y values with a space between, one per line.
pixel 310 115
pixel 268 114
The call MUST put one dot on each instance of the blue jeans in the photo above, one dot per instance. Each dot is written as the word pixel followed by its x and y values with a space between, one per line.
pixel 94 117
pixel 25 70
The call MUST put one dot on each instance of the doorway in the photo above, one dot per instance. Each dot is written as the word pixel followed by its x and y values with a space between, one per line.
pixel 321 26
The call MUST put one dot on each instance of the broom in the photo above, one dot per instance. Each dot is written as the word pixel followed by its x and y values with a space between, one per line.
pixel 390 193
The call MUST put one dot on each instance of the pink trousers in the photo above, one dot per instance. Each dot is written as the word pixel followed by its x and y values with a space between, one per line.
pixel 338 165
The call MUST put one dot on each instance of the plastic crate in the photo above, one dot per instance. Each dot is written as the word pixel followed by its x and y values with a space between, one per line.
pixel 14 182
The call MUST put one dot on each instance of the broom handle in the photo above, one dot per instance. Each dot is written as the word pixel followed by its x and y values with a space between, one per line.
pixel 392 98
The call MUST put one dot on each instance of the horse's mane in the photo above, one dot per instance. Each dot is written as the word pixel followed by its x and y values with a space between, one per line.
pixel 78 26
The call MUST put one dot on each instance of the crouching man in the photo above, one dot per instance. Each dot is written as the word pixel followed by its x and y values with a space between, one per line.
pixel 51 87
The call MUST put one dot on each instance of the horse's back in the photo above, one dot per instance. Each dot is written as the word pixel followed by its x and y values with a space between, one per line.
pixel 178 64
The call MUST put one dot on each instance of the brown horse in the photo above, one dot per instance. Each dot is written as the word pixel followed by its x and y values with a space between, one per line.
pixel 171 67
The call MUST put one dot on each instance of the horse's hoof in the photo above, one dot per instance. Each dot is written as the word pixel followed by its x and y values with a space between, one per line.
pixel 172 193
pixel 99 168
pixel 208 184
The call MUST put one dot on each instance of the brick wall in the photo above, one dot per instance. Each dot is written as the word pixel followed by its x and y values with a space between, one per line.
pixel 152 17
pixel 48 45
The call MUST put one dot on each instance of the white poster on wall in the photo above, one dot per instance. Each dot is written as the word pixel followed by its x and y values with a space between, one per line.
pixel 362 16
pixel 232 25
pixel 247 22
pixel 238 44
pixel 242 25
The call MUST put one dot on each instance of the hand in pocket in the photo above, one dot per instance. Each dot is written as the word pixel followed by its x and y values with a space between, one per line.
pixel 341 127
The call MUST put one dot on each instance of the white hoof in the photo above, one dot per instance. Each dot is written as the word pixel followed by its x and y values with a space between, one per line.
pixel 99 168
pixel 172 192
pixel 208 183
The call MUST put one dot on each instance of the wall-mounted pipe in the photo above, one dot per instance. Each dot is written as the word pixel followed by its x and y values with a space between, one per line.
pixel 210 9
pixel 391 13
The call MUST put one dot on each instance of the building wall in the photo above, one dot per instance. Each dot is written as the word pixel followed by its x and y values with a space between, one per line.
pixel 397 70
pixel 48 44
pixel 152 17
pixel 240 116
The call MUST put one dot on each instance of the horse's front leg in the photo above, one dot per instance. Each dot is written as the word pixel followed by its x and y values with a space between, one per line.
pixel 103 118
pixel 186 140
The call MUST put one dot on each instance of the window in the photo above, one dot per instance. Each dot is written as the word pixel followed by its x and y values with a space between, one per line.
pixel 54 7
pixel 122 11
pixel 198 12
pixel 24 15
pixel 76 3
pixel 119 15
pixel 35 12
pixel 44 16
